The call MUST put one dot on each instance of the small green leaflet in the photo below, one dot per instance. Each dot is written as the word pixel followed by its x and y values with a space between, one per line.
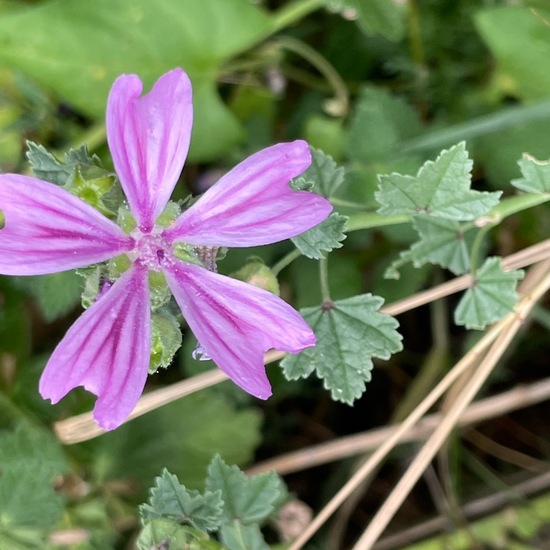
pixel 327 178
pixel 160 532
pixel 47 167
pixel 536 175
pixel 492 296
pixel 440 189
pixel 236 536
pixel 250 499
pixel 442 242
pixel 349 334
pixel 324 237
pixel 326 174
pixel 171 500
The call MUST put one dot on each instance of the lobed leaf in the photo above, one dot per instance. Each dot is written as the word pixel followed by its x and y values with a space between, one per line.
pixel 349 334
pixel 442 242
pixel 536 175
pixel 440 189
pixel 171 500
pixel 324 237
pixel 492 296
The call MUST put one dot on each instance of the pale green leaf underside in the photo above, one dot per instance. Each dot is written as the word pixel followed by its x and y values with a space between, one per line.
pixel 536 175
pixel 442 242
pixel 324 237
pixel 492 296
pixel 440 189
pixel 349 334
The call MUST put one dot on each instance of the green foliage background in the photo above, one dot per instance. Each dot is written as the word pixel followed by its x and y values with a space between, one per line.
pixel 418 92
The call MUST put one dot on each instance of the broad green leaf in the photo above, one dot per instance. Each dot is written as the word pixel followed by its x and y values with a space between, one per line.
pixel 249 500
pixel 29 459
pixel 170 499
pixel 521 62
pixel 349 334
pixel 78 49
pixel 441 188
pixel 236 536
pixel 322 238
pixel 492 296
pixel 536 175
pixel 442 242
pixel 379 124
pixel 56 294
pixel 174 435
pixel 325 173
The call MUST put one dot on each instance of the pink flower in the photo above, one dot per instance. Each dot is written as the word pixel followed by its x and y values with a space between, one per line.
pixel 108 348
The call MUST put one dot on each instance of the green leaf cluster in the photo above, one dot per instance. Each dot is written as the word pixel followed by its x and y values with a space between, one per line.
pixel 442 208
pixel 233 507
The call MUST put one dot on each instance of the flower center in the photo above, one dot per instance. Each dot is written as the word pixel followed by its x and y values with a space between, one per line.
pixel 152 250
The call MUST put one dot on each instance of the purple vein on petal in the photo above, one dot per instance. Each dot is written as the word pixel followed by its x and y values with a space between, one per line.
pixel 107 350
pixel 236 323
pixel 253 204
pixel 49 230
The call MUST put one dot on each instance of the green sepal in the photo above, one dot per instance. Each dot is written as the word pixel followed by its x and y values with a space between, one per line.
pixel 166 339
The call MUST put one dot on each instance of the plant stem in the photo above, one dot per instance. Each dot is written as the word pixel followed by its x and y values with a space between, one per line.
pixel 293 12
pixel 323 274
pixel 285 261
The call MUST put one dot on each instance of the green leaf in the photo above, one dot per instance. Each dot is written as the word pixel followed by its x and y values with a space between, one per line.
pixel 159 533
pixel 441 188
pixel 380 123
pixel 165 340
pixel 349 334
pixel 30 459
pixel 56 294
pixel 442 242
pixel 236 536
pixel 536 175
pixel 492 296
pixel 246 499
pixel 79 48
pixel 170 499
pixel 133 451
pixel 521 62
pixel 326 174
pixel 324 237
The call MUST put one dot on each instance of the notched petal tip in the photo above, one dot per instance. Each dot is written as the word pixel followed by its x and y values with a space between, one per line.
pixel 106 351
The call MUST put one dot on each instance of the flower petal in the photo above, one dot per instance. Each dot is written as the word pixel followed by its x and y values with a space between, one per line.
pixel 235 323
pixel 107 351
pixel 49 230
pixel 253 204
pixel 149 138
